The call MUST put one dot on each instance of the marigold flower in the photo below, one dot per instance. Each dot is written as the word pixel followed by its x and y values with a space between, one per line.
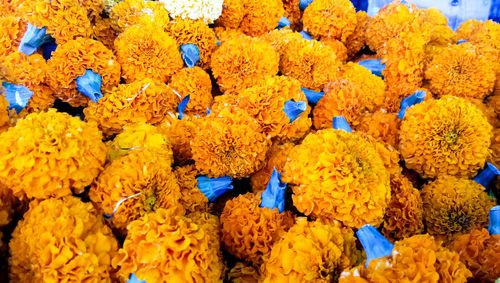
pixel 93 7
pixel 249 231
pixel 128 13
pixel 205 10
pixel 105 32
pixel 454 205
pixel 461 70
pixel 339 48
pixel 381 125
pixel 223 34
pixel 180 133
pixel 279 39
pixel 144 51
pixel 244 273
pixel 229 144
pixel 388 154
pixel 293 13
pixel 403 216
pixel 192 198
pixel 494 148
pixel 196 83
pixel 276 158
pixel 144 174
pixel 49 153
pixel 252 17
pixel 338 175
pixel 144 101
pixel 4 113
pixel 330 19
pixel 356 41
pixel 308 252
pixel 177 248
pixel 62 239
pixel 11 34
pixel 479 251
pixel 417 258
pixel 477 32
pixel 448 136
pixel 313 63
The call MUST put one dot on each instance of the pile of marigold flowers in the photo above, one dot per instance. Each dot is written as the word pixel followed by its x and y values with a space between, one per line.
pixel 247 141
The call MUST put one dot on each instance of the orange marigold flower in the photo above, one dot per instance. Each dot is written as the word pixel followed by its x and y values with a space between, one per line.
pixel 192 198
pixel 415 259
pixel 144 51
pixel 244 273
pixel 128 13
pixel 308 252
pixel 11 33
pixel 338 175
pixel 448 136
pixel 224 34
pixel 49 153
pixel 138 137
pixel 279 38
pixel 136 184
pixel 403 216
pixel 4 112
pixel 62 239
pixel 165 247
pixel 388 154
pixel 265 102
pixel 478 32
pixel 105 32
pixel 381 125
pixel 253 17
pixel 195 32
pixel 229 144
pixel 293 13
pixel 494 148
pixel 93 7
pixel 356 41
pixel 276 158
pixel 72 59
pixel 338 47
pixel 180 133
pixel 249 231
pixel 313 63
pixel 242 62
pixel 479 251
pixel 454 205
pixel 144 101
pixel 371 85
pixel 196 83
pixel 330 19
pixel 462 71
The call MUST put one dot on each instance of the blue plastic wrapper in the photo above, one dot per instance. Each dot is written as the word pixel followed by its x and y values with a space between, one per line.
pixel 33 38
pixel 212 188
pixel 190 54
pixel 293 109
pixel 494 227
pixel 89 84
pixel 411 100
pixel 18 96
pixel 340 123
pixel 182 106
pixel 48 48
pixel 374 65
pixel 312 96
pixel 284 22
pixel 274 195
pixel 487 175
pixel 374 243
pixel 304 3
pixel 305 35
pixel 134 279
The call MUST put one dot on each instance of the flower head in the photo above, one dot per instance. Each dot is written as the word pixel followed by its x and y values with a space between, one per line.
pixel 192 198
pixel 180 133
pixel 128 13
pixel 105 32
pixel 204 10
pixel 10 34
pixel 276 158
pixel 356 41
pixel 196 83
pixel 381 125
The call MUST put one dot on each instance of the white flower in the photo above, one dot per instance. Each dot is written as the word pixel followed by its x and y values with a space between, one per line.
pixel 206 10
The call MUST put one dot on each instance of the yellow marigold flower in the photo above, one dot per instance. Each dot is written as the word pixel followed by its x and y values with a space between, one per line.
pixel 196 83
pixel 448 136
pixel 356 41
pixel 11 33
pixel 144 51
pixel 144 101
pixel 138 137
pixel 105 32
pixel 478 32
pixel 415 259
pixel 62 239
pixel 403 216
pixel 339 48
pixel 388 154
pixel 165 247
pixel 242 62
pixel 180 133
pixel 276 158
pixel 195 32
pixel 454 205
pixel 72 59
pixel 225 102
pixel 293 13
pixel 381 125
pixel 229 144
pixel 49 153
pixel 252 17
pixel 434 25
pixel 224 34
pixel 338 175
pixel 250 231
pixel 244 273
pixel 265 102
pixel 128 13
pixel 308 252
pixel 480 252
pixel 279 38
pixel 145 178
pixel 371 85
pixel 312 63
pixel 461 70
pixel 334 19
pixel 192 198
